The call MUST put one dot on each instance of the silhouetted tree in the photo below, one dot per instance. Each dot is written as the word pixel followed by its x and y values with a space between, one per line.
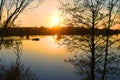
pixel 13 8
pixel 87 13
pixel 113 18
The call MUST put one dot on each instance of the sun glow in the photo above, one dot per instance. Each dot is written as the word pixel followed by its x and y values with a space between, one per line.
pixel 55 20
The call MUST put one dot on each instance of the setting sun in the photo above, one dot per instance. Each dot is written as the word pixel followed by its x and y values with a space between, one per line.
pixel 55 20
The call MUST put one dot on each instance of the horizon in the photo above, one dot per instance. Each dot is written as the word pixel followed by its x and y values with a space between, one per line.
pixel 73 39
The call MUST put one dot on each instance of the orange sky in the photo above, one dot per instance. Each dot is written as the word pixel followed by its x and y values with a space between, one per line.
pixel 41 16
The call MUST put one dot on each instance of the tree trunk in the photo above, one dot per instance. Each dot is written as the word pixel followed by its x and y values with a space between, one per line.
pixel 93 49
pixel 1 9
pixel 107 43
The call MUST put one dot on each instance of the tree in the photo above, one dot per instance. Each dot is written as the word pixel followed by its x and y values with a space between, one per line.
pixel 113 11
pixel 87 13
pixel 91 14
pixel 13 8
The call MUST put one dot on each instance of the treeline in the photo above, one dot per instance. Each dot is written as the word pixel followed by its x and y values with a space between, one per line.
pixel 20 31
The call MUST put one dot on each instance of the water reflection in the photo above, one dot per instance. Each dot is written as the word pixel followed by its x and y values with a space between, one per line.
pixel 80 47
pixel 43 56
pixel 16 70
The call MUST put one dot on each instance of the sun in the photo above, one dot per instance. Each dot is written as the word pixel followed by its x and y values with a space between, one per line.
pixel 55 20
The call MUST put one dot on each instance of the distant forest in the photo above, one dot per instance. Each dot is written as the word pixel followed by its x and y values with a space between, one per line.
pixel 21 31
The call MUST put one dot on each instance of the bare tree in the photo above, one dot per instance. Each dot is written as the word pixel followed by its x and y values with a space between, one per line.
pixel 113 9
pixel 87 13
pixel 13 8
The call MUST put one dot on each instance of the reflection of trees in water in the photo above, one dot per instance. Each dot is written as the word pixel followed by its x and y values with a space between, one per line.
pixel 17 70
pixel 7 42
pixel 81 47
pixel 57 38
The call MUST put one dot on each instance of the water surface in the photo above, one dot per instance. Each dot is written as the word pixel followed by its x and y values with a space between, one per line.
pixel 44 57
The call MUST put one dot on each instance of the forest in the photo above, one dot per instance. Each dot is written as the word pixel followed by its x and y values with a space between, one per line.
pixel 21 31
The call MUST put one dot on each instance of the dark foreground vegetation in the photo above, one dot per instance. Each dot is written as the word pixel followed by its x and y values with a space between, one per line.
pixel 53 31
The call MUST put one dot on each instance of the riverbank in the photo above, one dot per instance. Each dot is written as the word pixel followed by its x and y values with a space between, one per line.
pixel 54 31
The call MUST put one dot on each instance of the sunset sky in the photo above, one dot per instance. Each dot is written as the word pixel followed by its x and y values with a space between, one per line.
pixel 45 15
